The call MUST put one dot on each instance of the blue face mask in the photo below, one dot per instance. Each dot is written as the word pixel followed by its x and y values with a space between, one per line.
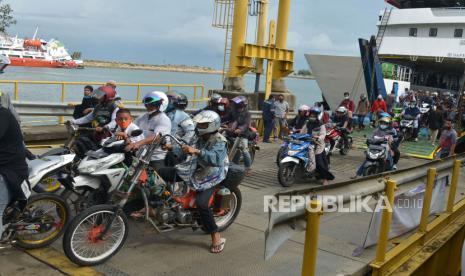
pixel 170 107
pixel 87 97
pixel 383 127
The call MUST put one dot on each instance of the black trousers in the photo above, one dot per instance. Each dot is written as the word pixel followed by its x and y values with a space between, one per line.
pixel 322 167
pixel 202 198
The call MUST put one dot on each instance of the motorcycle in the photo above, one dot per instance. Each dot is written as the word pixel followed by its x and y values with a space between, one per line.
pixel 235 154
pixel 378 157
pixel 96 175
pixel 407 126
pixel 36 223
pixel 335 139
pixel 424 113
pixel 296 160
pixel 99 232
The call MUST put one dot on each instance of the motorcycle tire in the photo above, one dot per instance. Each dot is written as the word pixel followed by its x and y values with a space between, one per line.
pixel 287 174
pixel 346 148
pixel 61 207
pixel 372 170
pixel 279 156
pixel 79 220
pixel 223 225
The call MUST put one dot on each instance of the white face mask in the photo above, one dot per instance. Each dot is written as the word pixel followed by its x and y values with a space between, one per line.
pixel 221 108
pixel 383 127
pixel 346 97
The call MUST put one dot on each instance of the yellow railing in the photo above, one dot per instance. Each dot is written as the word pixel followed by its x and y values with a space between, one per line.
pixel 63 84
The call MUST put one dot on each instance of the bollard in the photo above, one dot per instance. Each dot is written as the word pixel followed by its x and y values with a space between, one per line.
pixel 311 238
pixel 427 199
pixel 385 223
pixel 453 186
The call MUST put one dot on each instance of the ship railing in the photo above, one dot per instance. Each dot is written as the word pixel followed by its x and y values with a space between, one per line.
pixel 60 91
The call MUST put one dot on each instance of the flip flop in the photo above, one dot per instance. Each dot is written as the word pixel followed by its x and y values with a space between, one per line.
pixel 141 213
pixel 216 249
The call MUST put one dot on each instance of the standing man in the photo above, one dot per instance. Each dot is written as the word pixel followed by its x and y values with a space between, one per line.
pixel 448 140
pixel 390 101
pixel 281 108
pixel 13 167
pixel 87 105
pixel 363 108
pixel 379 105
pixel 348 104
pixel 268 115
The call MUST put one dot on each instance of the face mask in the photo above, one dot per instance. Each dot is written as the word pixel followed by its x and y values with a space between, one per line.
pixel 383 127
pixel 123 125
pixel 87 97
pixel 170 107
pixel 312 119
pixel 346 97
pixel 221 108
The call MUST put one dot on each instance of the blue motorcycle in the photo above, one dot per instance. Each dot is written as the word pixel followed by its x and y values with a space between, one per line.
pixel 295 159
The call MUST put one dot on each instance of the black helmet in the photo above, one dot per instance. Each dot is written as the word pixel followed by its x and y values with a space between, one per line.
pixel 240 101
pixel 214 98
pixel 182 101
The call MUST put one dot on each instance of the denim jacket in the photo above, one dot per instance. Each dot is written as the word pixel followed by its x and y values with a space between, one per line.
pixel 210 166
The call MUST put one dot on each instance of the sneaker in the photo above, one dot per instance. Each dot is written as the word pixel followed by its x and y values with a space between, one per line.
pixel 394 167
pixel 416 140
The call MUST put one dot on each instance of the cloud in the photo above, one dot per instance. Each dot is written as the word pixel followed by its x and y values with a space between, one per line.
pixel 180 31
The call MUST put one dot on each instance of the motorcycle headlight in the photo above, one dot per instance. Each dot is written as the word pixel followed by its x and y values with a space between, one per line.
pixel 292 152
pixel 373 155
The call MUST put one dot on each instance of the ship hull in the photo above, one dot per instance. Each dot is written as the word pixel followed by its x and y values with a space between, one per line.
pixel 30 62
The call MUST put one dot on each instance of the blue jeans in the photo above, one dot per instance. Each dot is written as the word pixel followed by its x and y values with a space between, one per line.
pixel 361 119
pixel 244 146
pixel 4 201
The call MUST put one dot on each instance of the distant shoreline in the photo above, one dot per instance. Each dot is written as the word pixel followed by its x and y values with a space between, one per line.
pixel 165 68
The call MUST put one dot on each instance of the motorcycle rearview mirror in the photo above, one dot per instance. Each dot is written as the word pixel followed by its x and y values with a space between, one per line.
pixel 136 132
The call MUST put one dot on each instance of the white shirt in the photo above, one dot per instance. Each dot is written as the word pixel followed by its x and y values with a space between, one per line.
pixel 152 125
pixel 128 131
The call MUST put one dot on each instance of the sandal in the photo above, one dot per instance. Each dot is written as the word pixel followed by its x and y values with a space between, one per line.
pixel 141 213
pixel 216 249
pixel 248 172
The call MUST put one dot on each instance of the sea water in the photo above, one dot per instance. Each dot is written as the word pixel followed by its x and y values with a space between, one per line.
pixel 306 90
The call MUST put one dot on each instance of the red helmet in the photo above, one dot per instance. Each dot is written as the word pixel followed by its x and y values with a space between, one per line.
pixel 107 93
pixel 223 101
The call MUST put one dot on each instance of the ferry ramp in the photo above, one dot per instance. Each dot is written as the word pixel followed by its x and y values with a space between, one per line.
pixel 186 252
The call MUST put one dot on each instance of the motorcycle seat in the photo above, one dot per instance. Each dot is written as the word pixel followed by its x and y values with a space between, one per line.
pixel 97 154
pixel 37 165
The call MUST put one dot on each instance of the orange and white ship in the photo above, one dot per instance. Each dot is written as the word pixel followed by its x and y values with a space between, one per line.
pixel 36 53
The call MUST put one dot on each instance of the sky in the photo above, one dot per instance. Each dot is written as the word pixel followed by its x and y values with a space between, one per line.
pixel 180 31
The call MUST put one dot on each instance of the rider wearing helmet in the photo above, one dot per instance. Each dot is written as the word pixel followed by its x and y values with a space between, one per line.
pixel 317 129
pixel 239 126
pixel 223 110
pixel 212 104
pixel 348 104
pixel 152 123
pixel 298 122
pixel 342 120
pixel 211 152
pixel 385 130
pixel 104 114
pixel 414 112
pixel 182 125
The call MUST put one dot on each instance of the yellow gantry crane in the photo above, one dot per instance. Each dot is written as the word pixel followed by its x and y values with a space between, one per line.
pixel 241 55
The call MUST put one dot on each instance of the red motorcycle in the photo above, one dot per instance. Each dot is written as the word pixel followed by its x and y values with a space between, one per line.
pixel 335 137
pixel 99 232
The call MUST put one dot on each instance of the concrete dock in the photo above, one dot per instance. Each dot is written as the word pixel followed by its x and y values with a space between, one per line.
pixel 186 252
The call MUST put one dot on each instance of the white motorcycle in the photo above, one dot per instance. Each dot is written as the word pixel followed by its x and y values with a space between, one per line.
pixel 97 175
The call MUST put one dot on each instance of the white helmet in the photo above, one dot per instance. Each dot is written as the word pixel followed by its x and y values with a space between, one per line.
pixel 207 117
pixel 341 109
pixel 161 95
pixel 304 108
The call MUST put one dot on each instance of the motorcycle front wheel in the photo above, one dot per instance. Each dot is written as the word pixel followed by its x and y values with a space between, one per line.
pixel 287 174
pixel 372 170
pixel 85 242
pixel 48 210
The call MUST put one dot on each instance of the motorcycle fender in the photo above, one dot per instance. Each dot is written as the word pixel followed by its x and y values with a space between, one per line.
pixel 113 176
pixel 288 159
pixel 84 181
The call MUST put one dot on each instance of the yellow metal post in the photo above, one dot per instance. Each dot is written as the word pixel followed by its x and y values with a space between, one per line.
pixel 311 238
pixel 270 63
pixel 385 223
pixel 262 20
pixel 453 186
pixel 202 88
pixel 238 36
pixel 195 96
pixel 62 118
pixel 16 91
pixel 431 176
pixel 138 97
pixel 281 31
